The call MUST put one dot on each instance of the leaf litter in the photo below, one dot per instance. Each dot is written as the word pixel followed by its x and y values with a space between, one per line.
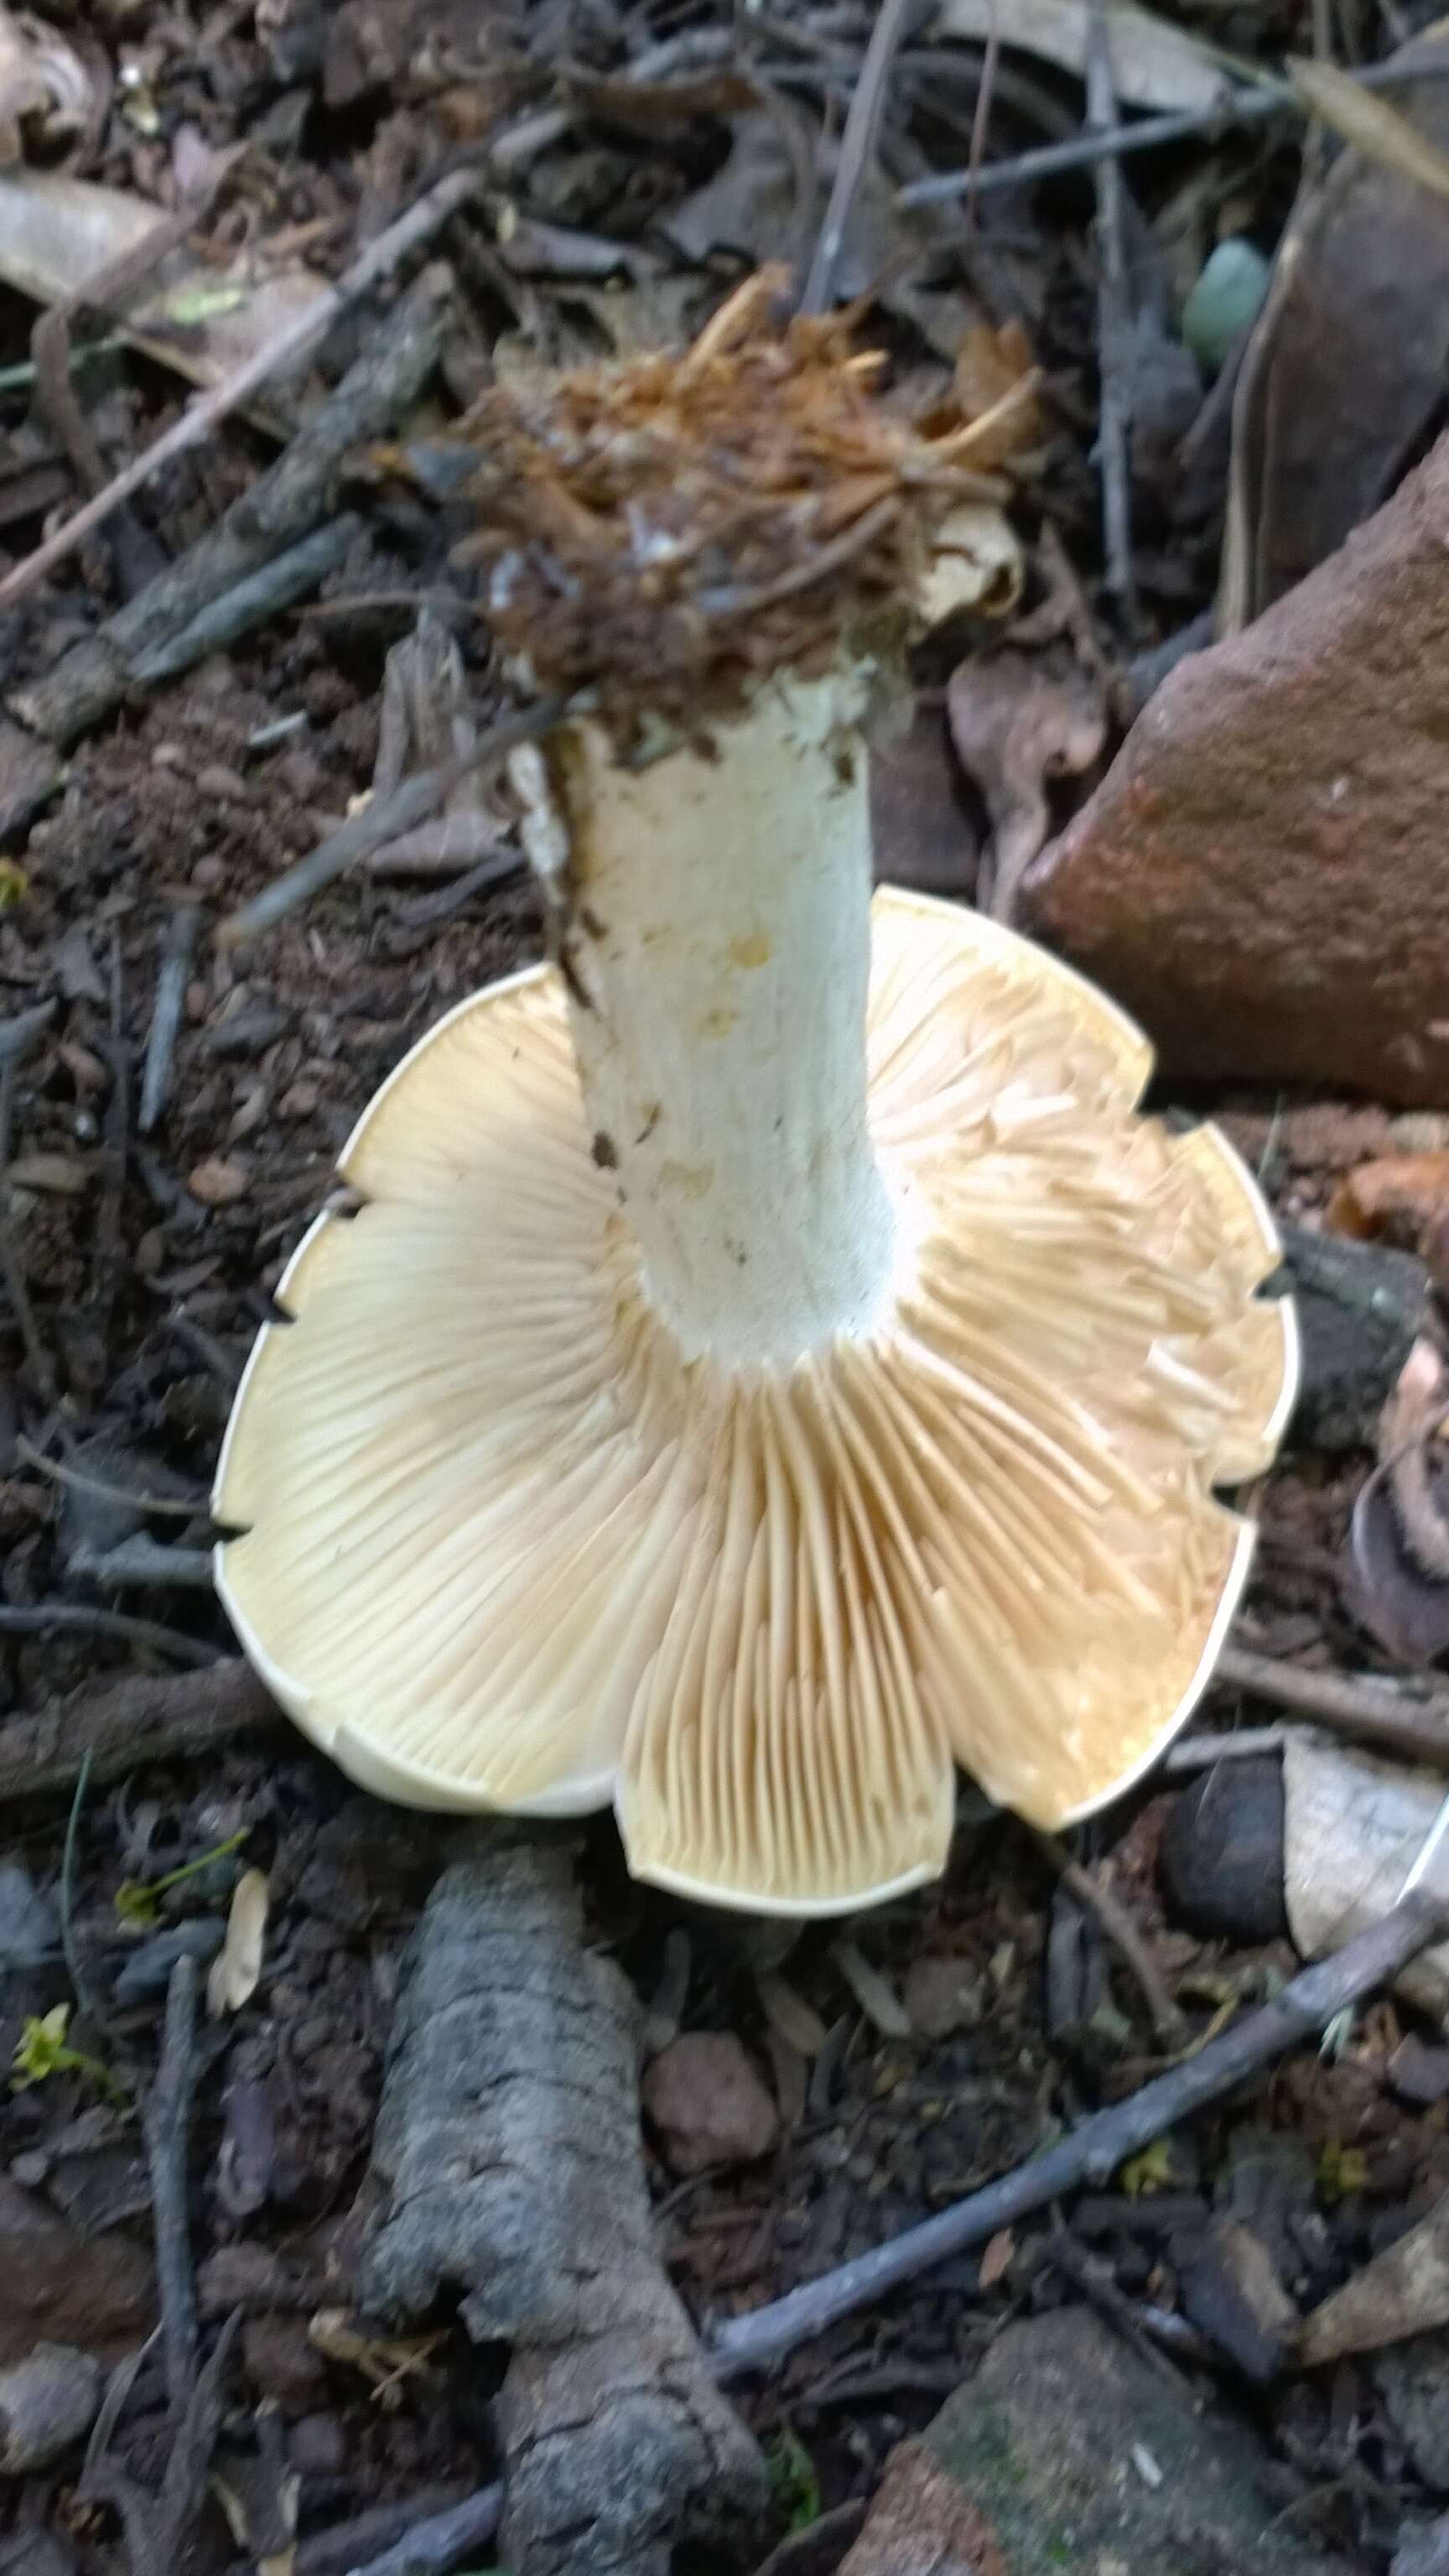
pixel 620 200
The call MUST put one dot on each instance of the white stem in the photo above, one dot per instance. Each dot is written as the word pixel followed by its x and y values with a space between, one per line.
pixel 721 946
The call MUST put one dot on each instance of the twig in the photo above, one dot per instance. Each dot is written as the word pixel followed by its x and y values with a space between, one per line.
pixel 270 517
pixel 1094 2150
pixel 1114 327
pixel 83 1621
pixel 278 585
pixel 61 1472
pixel 69 1950
pixel 166 1017
pixel 145 1562
pixel 1120 1932
pixel 17 1037
pixel 1372 1712
pixel 443 2540
pixel 382 821
pixel 168 2140
pixel 1200 1752
pixel 292 344
pixel 1049 160
pixel 981 116
pixel 856 146
pixel 447 846
pixel 145 1718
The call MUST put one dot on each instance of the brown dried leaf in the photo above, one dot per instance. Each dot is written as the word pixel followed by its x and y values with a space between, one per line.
pixel 1403 2291
pixel 1343 376
pixel 1019 721
pixel 1397 1198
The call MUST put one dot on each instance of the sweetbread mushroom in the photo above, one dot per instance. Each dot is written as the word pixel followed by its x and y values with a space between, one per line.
pixel 770 1359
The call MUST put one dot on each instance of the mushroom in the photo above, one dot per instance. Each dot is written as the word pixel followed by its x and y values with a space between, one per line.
pixel 764 1357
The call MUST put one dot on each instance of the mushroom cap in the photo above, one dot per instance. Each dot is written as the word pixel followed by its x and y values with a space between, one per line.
pixel 501 1547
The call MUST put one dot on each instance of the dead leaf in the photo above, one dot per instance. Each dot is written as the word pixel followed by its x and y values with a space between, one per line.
pixel 1397 1581
pixel 1018 721
pixel 1401 1199
pixel 1373 125
pixel 1342 380
pixel 975 564
pixel 997 2258
pixel 66 1176
pixel 1154 64
pixel 1403 2291
pixel 989 365
pixel 236 1970
pixel 385 2361
pixel 44 85
pixel 1353 1825
pixel 56 232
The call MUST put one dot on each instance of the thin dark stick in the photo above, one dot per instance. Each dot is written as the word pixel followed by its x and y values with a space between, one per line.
pixel 62 1472
pixel 1371 1711
pixel 1168 2023
pixel 167 1015
pixel 1114 327
pixel 17 1037
pixel 168 2140
pixel 83 1621
pixel 1083 151
pixel 1094 2151
pixel 856 146
pixel 291 345
pixel 278 585
pixel 69 1950
pixel 981 117
pixel 417 797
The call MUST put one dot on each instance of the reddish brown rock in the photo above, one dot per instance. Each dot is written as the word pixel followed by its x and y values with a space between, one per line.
pixel 1263 876
pixel 708 2104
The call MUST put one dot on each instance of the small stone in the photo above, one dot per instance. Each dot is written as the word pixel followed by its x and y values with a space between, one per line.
pixel 222 784
pixel 218 1182
pixel 168 755
pixel 1417 2072
pixel 318 2447
pixel 708 2104
pixel 942 1995
pixel 1222 1853
pixel 209 875
pixel 299 1100
pixel 1231 2292
pixel 48 2401
pixel 281 2362
pixel 1413 2381
pixel 239 2276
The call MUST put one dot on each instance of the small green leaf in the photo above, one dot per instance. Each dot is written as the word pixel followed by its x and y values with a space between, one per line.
pixel 793 2482
pixel 42 2050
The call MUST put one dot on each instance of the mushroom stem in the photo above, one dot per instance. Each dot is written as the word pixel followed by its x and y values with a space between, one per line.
pixel 718 945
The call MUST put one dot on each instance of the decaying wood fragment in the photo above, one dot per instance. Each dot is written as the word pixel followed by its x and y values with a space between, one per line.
pixel 508 2139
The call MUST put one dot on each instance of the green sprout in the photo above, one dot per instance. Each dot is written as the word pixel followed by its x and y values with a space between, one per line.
pixel 138 1901
pixel 42 2050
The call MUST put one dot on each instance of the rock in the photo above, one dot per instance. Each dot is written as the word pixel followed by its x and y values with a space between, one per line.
pixel 707 2103
pixel 29 1925
pixel 1231 2292
pixel 1417 2073
pixel 1425 2552
pixel 1413 2381
pixel 282 2362
pixel 55 2287
pixel 1263 875
pixel 1354 1825
pixel 47 2401
pixel 1404 2291
pixel 942 1995
pixel 1361 1307
pixel 1079 2454
pixel 923 2524
pixel 1222 1852
pixel 219 1181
